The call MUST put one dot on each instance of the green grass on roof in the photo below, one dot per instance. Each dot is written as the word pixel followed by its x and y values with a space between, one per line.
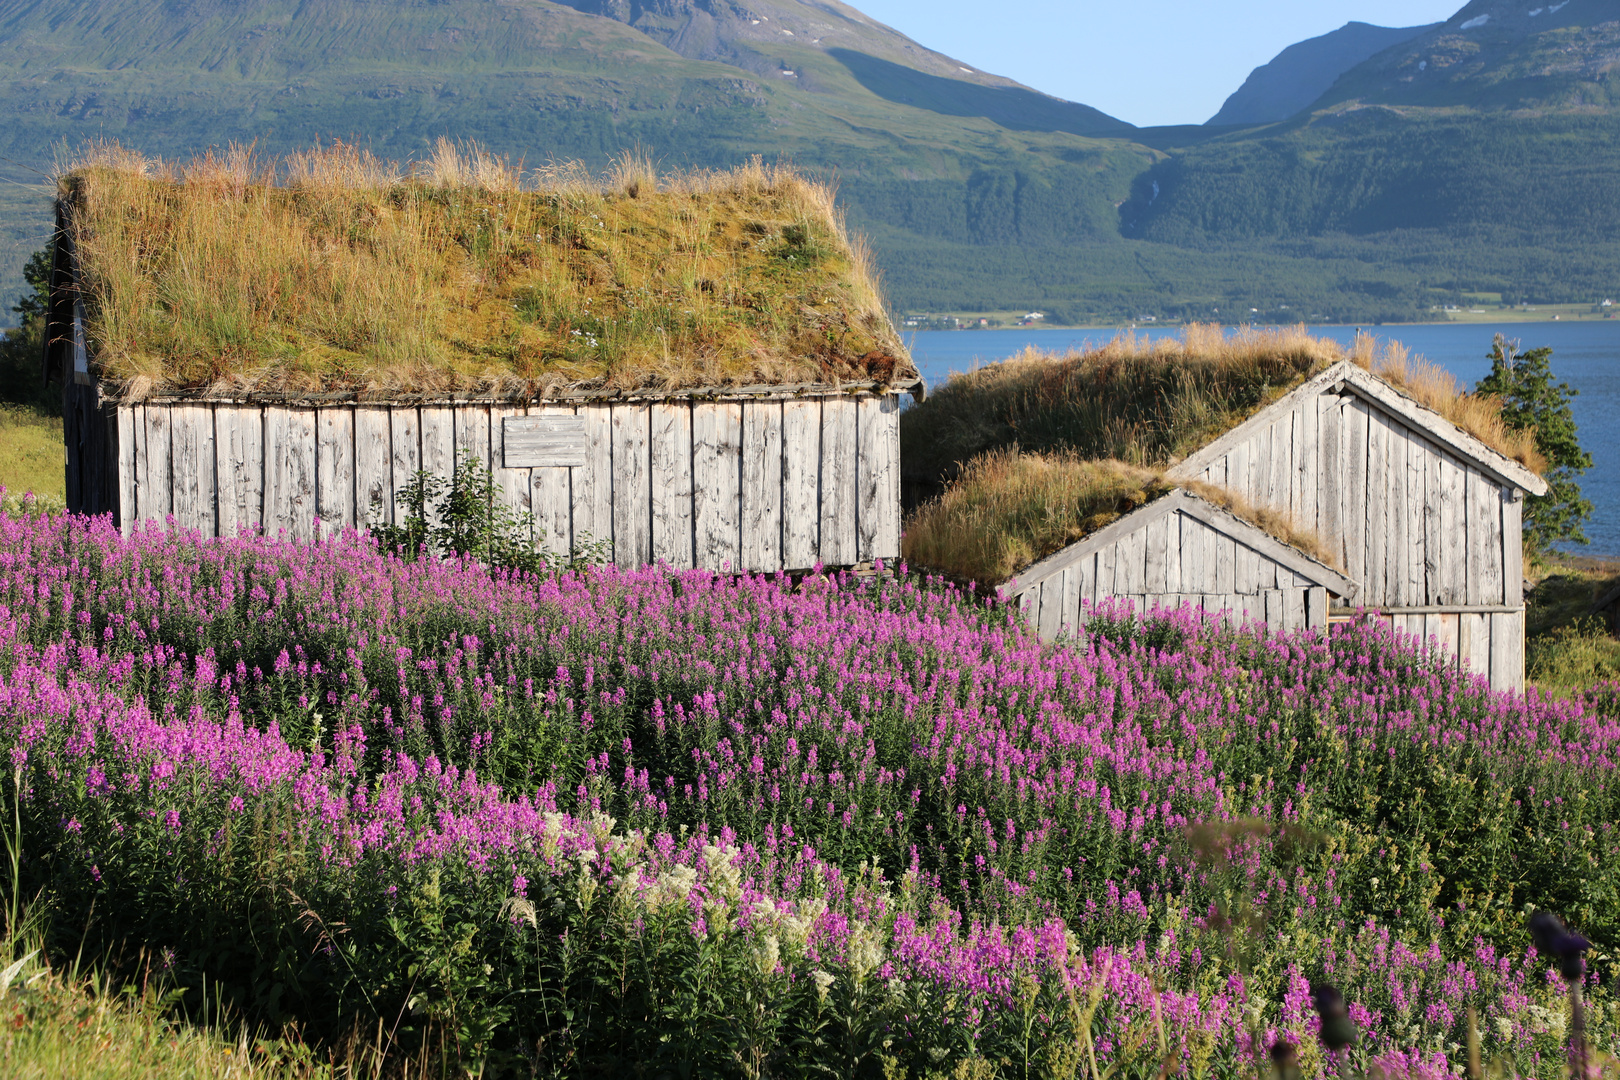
pixel 1151 403
pixel 1143 402
pixel 332 271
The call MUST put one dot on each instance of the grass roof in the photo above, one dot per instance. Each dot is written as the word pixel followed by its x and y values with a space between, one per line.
pixel 1040 451
pixel 1008 510
pixel 1151 403
pixel 334 271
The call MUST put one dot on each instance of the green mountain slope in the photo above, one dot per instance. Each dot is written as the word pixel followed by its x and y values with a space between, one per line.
pixel 827 88
pixel 1400 189
pixel 1303 72
pixel 1498 54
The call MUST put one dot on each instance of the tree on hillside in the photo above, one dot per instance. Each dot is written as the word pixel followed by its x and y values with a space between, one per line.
pixel 21 348
pixel 1531 401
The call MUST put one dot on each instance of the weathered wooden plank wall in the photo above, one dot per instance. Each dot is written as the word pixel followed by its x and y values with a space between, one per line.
pixel 761 485
pixel 1176 559
pixel 1414 524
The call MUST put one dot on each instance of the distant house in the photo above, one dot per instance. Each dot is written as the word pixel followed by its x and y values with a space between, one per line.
pixel 611 367
pixel 1342 492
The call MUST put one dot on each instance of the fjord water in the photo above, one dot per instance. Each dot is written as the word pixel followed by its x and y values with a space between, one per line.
pixel 1585 355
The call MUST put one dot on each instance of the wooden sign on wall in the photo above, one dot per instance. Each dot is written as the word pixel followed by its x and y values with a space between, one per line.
pixel 538 442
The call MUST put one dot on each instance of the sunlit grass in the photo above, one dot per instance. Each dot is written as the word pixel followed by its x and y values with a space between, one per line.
pixel 31 452
pixel 331 270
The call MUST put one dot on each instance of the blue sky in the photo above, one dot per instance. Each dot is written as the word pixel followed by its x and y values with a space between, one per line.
pixel 1146 61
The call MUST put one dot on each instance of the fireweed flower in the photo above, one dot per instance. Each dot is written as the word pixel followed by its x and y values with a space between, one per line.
pixel 853 780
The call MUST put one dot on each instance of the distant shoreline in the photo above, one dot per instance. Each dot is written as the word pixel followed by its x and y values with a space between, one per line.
pixel 1514 319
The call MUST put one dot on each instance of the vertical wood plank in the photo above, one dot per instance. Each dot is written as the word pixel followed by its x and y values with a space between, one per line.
pixel 335 486
pixel 801 470
pixel 125 513
pixel 438 439
pixel 1156 538
pixel 1478 527
pixel 1281 464
pixel 192 447
pixel 1276 609
pixel 472 433
pixel 551 498
pixel 1453 557
pixel 1247 570
pixel 592 484
pixel 1130 564
pixel 513 487
pixel 1375 506
pixel 289 480
pixel 1225 564
pixel 839 488
pixel 1239 476
pixel 672 484
pixel 1330 483
pixel 239 466
pixel 1105 574
pixel 1316 609
pixel 1502 677
pixel 1172 552
pixel 1307 447
pixel 1492 509
pixel 1479 650
pixel 762 486
pixel 1417 472
pixel 1051 617
pixel 632 485
pixel 1393 486
pixel 1355 474
pixel 878 468
pixel 373 465
pixel 157 494
pixel 1512 549
pixel 1072 584
pixel 1514 677
pixel 717 464
pixel 1448 633
pixel 1434 539
pixel 405 442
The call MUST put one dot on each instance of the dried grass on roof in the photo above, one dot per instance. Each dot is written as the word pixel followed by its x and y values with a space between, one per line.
pixel 335 271
pixel 1008 510
pixel 1152 403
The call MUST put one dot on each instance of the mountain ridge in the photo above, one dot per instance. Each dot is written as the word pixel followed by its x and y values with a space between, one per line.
pixel 1299 75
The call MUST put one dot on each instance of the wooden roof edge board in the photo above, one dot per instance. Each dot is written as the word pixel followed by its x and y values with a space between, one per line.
pixel 1251 536
pixel 1371 388
pixel 1190 466
pixel 1283 554
pixel 786 390
pixel 1059 561
pixel 1605 600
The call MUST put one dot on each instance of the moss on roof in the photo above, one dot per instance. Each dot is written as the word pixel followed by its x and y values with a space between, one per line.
pixel 333 271
pixel 1152 403
pixel 1008 510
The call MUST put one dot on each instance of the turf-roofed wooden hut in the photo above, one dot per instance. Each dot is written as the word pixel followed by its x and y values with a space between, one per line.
pixel 1374 465
pixel 696 370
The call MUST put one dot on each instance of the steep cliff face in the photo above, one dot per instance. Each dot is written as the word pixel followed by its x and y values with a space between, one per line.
pixel 1498 54
pixel 1305 71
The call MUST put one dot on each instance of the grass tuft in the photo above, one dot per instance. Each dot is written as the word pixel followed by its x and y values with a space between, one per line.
pixel 333 271
pixel 1151 403
pixel 1007 510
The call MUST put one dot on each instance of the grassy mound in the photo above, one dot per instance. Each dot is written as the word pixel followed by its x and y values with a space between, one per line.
pixel 330 271
pixel 1150 403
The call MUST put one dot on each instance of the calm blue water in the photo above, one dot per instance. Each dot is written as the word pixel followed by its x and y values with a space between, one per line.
pixel 1585 355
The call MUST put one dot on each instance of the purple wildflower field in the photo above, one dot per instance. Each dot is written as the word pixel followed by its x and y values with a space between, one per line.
pixel 608 822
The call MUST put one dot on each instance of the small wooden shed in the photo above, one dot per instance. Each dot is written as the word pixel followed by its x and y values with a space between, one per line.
pixel 1182 549
pixel 1423 516
pixel 775 448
